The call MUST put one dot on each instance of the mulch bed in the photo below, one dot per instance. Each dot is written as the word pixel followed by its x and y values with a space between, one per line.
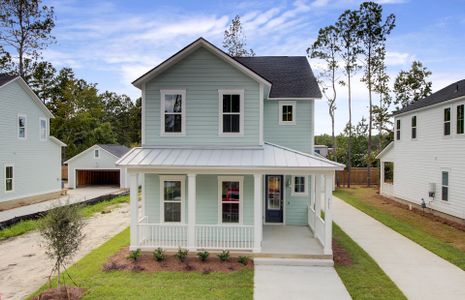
pixel 146 263
pixel 340 255
pixel 62 293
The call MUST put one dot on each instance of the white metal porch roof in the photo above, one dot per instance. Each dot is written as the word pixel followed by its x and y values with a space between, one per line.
pixel 269 156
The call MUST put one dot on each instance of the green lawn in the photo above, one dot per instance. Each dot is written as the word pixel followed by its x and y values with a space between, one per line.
pixel 364 279
pixel 163 285
pixel 25 226
pixel 441 239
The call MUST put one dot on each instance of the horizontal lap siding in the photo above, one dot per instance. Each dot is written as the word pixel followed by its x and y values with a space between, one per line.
pixel 296 206
pixel 202 74
pixel 37 164
pixel 420 162
pixel 299 136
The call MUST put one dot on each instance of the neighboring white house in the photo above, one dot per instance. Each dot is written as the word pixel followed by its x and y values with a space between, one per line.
pixel 321 150
pixel 30 159
pixel 428 152
pixel 96 166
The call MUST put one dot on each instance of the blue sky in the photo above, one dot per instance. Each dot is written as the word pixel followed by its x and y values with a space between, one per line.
pixel 111 43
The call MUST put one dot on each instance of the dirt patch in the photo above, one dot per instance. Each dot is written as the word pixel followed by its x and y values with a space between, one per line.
pixel 340 256
pixel 146 263
pixel 64 292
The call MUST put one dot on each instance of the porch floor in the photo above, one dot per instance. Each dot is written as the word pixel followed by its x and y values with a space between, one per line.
pixel 290 241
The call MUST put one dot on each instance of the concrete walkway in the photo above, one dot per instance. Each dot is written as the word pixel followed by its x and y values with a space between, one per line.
pixel 74 196
pixel 297 282
pixel 419 273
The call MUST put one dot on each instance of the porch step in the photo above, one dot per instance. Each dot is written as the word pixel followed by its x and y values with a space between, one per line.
pixel 294 262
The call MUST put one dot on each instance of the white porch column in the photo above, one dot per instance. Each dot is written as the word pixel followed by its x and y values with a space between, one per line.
pixel 318 190
pixel 191 198
pixel 329 179
pixel 257 215
pixel 134 209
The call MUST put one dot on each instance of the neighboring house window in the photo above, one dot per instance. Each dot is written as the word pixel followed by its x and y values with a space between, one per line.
pixel 96 153
pixel 286 113
pixel 173 112
pixel 43 129
pixel 231 119
pixel 173 198
pixel 22 125
pixel 445 186
pixel 398 130
pixel 447 121
pixel 9 178
pixel 414 127
pixel 230 192
pixel 460 119
pixel 298 185
pixel 317 151
pixel 388 172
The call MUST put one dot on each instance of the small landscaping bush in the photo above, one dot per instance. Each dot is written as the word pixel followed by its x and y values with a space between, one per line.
pixel 203 255
pixel 243 260
pixel 182 254
pixel 159 254
pixel 224 255
pixel 134 255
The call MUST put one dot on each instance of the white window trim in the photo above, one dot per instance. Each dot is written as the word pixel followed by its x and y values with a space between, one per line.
pixel 25 127
pixel 293 192
pixel 412 127
pixel 221 179
pixel 220 112
pixel 162 112
pixel 96 150
pixel 13 179
pixel 280 111
pixel 448 186
pixel 457 119
pixel 398 129
pixel 162 197
pixel 444 122
pixel 40 129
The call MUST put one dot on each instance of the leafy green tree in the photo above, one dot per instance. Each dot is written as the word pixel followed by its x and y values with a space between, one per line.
pixel 26 26
pixel 5 61
pixel 412 85
pixel 42 80
pixel 373 31
pixel 234 39
pixel 349 40
pixel 326 48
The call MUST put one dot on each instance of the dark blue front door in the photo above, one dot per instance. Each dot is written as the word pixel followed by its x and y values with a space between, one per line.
pixel 274 199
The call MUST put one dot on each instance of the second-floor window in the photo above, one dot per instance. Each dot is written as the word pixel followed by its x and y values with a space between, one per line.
pixel 173 108
pixel 286 113
pixel 414 127
pixel 231 112
pixel 22 123
pixel 43 129
pixel 460 119
pixel 447 121
pixel 398 130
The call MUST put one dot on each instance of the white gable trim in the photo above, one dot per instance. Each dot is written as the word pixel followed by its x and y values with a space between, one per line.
pixel 87 150
pixel 385 150
pixel 201 42
pixel 31 93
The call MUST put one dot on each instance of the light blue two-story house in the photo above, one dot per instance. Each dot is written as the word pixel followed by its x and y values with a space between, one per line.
pixel 227 160
pixel 30 159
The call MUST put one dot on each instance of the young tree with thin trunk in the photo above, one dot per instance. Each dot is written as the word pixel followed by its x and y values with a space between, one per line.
pixel 373 32
pixel 347 25
pixel 26 26
pixel 234 39
pixel 412 85
pixel 326 48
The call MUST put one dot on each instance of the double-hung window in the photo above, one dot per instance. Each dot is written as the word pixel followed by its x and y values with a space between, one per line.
pixel 287 113
pixel 172 195
pixel 231 121
pixel 460 119
pixel 9 179
pixel 96 153
pixel 398 130
pixel 22 127
pixel 414 127
pixel 43 129
pixel 230 194
pixel 447 121
pixel 173 112
pixel 445 186
pixel 299 185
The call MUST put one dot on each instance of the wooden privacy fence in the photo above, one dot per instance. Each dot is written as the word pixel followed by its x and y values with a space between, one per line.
pixel 64 172
pixel 358 176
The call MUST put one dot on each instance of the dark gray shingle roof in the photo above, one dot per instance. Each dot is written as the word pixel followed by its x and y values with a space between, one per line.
pixel 454 90
pixel 4 78
pixel 291 76
pixel 116 150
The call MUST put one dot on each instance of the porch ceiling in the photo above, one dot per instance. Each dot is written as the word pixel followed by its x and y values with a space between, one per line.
pixel 269 156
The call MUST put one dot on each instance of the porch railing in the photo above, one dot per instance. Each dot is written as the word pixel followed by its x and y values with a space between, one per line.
pixel 162 235
pixel 233 237
pixel 317 225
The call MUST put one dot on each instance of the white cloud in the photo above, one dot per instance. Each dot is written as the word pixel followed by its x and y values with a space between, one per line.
pixel 394 58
